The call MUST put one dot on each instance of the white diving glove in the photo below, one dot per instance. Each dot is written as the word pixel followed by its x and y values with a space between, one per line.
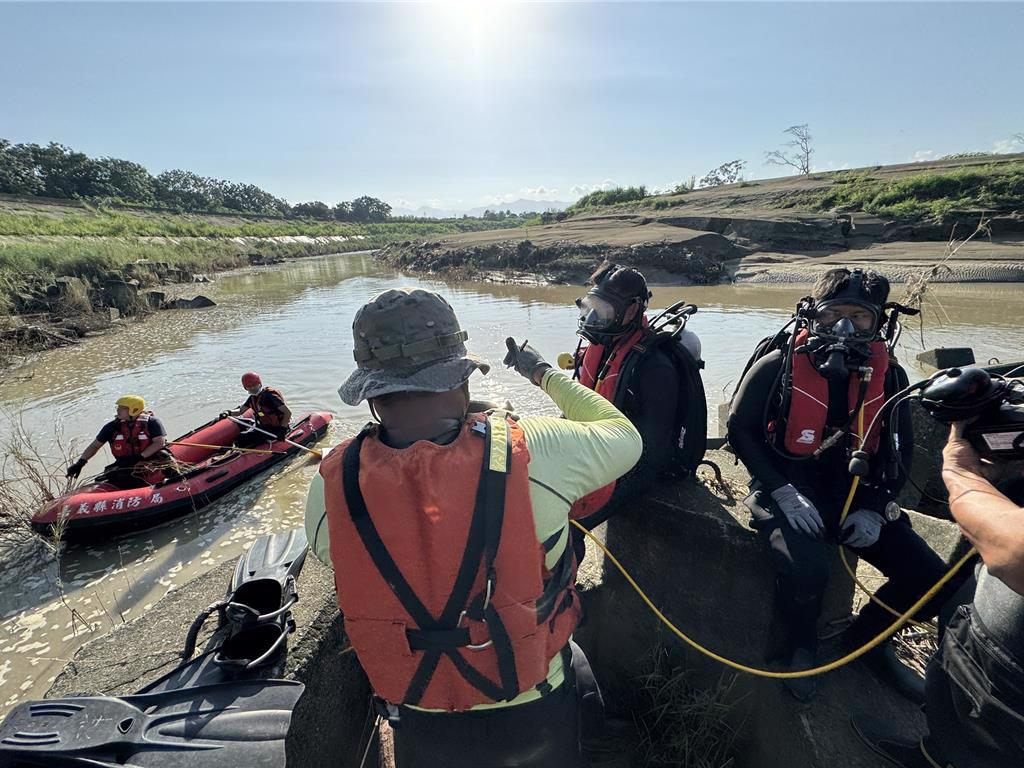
pixel 861 529
pixel 799 511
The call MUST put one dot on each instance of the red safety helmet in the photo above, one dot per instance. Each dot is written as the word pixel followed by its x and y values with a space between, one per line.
pixel 251 379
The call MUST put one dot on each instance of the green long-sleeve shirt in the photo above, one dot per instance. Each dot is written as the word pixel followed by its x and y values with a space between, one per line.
pixel 569 457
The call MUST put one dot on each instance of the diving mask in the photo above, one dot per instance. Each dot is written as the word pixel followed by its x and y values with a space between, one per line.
pixel 596 313
pixel 846 319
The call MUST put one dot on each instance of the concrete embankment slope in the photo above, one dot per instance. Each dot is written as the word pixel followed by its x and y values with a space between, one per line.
pixel 765 231
pixel 687 544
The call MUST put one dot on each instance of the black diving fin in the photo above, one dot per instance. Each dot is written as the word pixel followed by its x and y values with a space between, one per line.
pixel 256 615
pixel 214 726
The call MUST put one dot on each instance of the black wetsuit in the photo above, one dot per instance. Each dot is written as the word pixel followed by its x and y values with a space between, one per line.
pixel 909 563
pixel 650 403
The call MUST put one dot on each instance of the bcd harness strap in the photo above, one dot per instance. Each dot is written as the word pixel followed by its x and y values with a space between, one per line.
pixel 444 635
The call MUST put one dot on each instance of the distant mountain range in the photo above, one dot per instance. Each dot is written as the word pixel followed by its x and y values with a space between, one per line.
pixel 516 206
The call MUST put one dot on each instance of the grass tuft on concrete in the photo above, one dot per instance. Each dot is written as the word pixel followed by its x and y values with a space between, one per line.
pixel 681 725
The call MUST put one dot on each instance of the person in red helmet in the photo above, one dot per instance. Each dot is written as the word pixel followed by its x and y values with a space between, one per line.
pixel 268 409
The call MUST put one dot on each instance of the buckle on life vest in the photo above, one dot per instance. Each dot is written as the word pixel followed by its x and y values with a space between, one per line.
pixel 388 711
pixel 482 619
pixel 470 646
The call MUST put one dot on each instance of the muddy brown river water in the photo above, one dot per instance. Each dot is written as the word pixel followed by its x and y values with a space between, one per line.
pixel 292 324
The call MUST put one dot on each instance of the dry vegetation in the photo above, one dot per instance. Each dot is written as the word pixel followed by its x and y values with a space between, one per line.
pixel 681 725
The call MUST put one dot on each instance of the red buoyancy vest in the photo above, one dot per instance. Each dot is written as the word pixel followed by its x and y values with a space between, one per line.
pixel 132 437
pixel 419 538
pixel 603 379
pixel 808 404
pixel 264 416
pixel 590 368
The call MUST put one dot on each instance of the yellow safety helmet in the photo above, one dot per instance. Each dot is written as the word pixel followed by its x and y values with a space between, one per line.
pixel 133 403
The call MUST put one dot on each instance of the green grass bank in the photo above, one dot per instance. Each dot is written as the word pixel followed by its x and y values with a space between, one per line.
pixel 925 196
pixel 925 192
pixel 40 241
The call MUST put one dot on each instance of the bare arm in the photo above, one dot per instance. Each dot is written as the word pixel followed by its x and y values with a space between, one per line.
pixel 91 450
pixel 155 445
pixel 239 410
pixel 989 520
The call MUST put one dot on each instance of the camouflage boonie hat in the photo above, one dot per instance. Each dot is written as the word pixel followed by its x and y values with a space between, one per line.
pixel 407 340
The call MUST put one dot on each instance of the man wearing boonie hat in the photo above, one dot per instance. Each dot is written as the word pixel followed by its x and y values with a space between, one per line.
pixel 447 532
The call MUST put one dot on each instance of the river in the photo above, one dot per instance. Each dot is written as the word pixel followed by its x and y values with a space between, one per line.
pixel 292 324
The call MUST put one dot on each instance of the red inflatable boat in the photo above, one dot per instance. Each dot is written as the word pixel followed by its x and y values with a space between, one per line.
pixel 207 474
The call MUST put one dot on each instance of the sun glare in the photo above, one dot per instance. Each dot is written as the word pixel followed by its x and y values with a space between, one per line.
pixel 475 34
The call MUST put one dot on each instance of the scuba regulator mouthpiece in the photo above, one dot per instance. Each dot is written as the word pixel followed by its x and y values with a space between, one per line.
pixel 837 355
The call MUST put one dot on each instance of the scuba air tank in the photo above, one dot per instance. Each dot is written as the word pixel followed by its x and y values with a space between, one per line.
pixel 690 341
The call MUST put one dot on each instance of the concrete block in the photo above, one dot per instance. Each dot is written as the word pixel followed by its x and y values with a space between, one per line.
pixel 946 357
pixel 925 491
pixel 723 419
pixel 691 550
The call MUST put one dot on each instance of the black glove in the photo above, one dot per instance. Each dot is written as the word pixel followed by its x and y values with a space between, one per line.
pixel 75 469
pixel 526 360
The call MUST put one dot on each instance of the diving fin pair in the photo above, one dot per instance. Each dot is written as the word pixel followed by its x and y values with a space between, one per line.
pixel 215 726
pixel 206 713
pixel 255 613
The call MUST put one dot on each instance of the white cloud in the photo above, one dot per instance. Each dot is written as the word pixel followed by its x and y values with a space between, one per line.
pixel 579 190
pixel 1008 146
pixel 924 155
pixel 832 165
pixel 499 199
pixel 538 193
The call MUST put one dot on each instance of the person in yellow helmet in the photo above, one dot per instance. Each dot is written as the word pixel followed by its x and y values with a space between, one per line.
pixel 135 435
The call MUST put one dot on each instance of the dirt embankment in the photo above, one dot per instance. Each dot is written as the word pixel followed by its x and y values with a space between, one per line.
pixel 765 231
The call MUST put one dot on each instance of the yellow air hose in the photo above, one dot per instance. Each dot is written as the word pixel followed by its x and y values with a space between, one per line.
pixel 881 637
pixel 842 550
pixel 852 656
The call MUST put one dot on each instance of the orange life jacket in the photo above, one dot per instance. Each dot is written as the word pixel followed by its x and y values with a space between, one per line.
pixel 265 417
pixel 132 437
pixel 808 402
pixel 602 376
pixel 439 573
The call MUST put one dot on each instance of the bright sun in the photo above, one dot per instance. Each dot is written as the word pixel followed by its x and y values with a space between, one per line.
pixel 473 31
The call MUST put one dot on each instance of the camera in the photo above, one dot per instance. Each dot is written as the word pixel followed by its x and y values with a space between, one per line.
pixel 994 404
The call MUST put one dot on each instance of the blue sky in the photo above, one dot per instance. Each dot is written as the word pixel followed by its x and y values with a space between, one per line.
pixel 463 104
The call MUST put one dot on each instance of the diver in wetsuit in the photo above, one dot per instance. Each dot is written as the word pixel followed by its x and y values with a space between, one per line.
pixel 792 424
pixel 642 372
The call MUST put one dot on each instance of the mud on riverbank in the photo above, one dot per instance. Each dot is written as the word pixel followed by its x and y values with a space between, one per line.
pixel 56 311
pixel 703 250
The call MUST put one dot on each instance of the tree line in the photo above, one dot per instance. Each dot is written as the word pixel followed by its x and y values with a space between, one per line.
pixel 58 171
